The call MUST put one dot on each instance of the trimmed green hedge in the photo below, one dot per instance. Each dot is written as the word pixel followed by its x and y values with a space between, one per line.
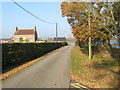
pixel 19 53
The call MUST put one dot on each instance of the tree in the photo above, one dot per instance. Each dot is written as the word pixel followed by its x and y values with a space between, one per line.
pixel 82 18
pixel 26 40
pixel 21 40
pixel 116 15
pixel 91 22
pixel 111 24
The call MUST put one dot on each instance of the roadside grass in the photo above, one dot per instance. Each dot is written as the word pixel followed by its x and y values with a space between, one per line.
pixel 100 72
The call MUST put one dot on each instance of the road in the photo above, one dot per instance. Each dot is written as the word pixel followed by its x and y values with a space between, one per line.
pixel 53 71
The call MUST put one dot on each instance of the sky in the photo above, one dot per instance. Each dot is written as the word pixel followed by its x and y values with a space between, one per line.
pixel 13 16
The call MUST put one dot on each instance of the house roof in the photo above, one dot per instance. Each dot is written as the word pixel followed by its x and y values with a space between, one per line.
pixel 25 32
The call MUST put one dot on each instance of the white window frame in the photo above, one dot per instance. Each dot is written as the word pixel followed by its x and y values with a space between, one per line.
pixel 17 38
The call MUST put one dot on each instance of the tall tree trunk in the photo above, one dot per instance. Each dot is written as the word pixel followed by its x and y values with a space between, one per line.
pixel 108 46
pixel 90 48
pixel 89 43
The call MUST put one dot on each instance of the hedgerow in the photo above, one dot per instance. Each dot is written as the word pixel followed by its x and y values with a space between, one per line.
pixel 19 53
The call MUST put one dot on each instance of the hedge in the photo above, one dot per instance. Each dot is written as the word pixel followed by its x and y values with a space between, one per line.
pixel 19 53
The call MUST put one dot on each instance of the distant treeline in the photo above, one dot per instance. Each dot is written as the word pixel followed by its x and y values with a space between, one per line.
pixel 18 53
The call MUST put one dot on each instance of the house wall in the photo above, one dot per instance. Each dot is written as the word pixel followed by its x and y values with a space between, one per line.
pixel 30 37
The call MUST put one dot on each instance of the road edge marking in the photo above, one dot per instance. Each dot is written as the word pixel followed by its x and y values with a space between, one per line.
pixel 74 85
pixel 80 85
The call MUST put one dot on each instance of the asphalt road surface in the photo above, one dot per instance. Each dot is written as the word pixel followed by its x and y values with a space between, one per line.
pixel 52 71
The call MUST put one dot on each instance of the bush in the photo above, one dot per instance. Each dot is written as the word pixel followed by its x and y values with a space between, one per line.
pixel 19 53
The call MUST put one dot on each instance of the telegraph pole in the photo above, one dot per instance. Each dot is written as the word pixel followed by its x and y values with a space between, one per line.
pixel 56 33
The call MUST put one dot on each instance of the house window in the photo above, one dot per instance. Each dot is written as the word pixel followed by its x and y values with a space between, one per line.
pixel 23 38
pixel 17 38
pixel 29 38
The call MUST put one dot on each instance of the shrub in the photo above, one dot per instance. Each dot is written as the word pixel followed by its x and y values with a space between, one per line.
pixel 18 53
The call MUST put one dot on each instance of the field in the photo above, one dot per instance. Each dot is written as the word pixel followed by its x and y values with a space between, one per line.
pixel 100 72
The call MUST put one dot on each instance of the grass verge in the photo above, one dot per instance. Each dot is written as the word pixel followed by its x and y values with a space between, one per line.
pixel 100 72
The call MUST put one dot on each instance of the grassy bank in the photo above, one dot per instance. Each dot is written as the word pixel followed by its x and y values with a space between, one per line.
pixel 100 72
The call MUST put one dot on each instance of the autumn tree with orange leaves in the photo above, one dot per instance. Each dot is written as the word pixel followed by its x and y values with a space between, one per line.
pixel 89 21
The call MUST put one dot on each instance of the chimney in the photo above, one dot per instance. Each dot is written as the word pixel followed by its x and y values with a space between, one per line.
pixel 35 28
pixel 35 33
pixel 16 28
